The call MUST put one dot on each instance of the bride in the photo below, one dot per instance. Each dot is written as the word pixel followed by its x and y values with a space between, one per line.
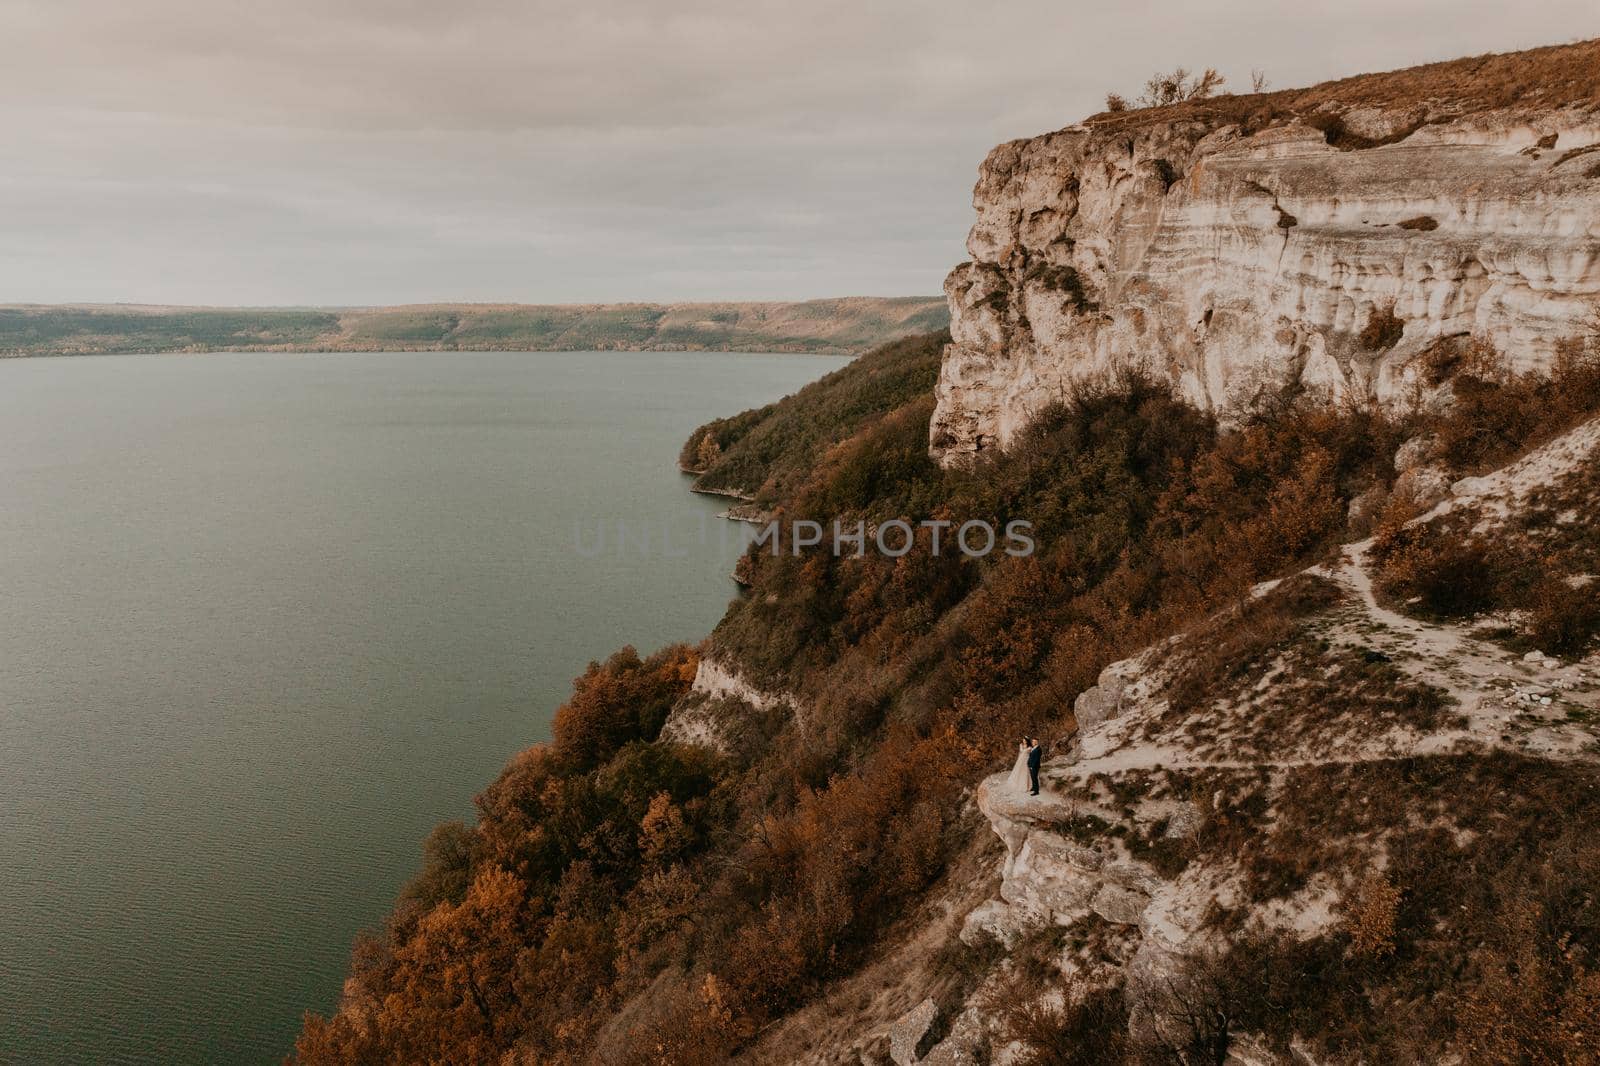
pixel 1018 781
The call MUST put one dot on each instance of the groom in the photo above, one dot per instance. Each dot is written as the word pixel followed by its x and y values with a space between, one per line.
pixel 1034 754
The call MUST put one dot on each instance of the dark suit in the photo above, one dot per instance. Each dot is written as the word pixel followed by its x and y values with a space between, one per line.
pixel 1034 754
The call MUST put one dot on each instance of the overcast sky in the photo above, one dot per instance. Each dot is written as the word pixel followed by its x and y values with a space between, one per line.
pixel 393 151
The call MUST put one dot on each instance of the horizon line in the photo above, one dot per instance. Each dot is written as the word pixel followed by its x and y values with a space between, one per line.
pixel 142 305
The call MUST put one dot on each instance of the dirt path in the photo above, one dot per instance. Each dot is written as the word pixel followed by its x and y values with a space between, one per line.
pixel 1531 704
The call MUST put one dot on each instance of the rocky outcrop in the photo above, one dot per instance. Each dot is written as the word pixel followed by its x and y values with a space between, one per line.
pixel 1050 876
pixel 913 1036
pixel 1085 853
pixel 926 1036
pixel 715 681
pixel 711 713
pixel 1232 260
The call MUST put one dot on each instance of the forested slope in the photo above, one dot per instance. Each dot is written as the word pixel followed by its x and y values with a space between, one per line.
pixel 624 899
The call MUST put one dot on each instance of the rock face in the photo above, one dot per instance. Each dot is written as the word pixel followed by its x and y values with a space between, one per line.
pixel 712 712
pixel 913 1035
pixel 716 681
pixel 1229 261
pixel 916 1038
pixel 1051 878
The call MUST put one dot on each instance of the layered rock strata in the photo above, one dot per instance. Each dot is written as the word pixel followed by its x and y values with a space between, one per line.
pixel 1231 261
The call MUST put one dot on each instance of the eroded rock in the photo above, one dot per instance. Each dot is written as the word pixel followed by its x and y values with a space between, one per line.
pixel 711 714
pixel 967 1044
pixel 913 1036
pixel 1415 452
pixel 1426 485
pixel 1234 264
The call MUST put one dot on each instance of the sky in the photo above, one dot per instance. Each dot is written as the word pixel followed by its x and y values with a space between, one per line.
pixel 355 152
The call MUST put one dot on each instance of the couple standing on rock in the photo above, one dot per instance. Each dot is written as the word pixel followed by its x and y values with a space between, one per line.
pixel 1025 773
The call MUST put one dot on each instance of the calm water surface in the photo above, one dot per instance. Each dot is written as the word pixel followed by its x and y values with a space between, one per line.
pixel 266 619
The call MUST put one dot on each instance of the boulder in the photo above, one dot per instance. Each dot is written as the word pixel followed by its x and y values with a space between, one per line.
pixel 995 919
pixel 912 1037
pixel 1096 705
pixel 1382 123
pixel 967 1044
pixel 1120 904
pixel 1427 484
pixel 1415 452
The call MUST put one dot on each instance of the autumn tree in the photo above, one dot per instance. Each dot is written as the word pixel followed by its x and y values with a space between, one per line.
pixel 625 698
pixel 708 451
pixel 451 997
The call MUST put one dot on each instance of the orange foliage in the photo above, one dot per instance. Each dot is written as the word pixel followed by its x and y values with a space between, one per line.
pixel 450 995
pixel 621 700
pixel 1370 917
pixel 711 894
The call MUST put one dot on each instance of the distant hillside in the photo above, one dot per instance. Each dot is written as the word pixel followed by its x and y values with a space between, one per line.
pixel 838 326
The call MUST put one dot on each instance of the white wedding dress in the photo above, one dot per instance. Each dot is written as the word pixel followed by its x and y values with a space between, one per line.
pixel 1018 781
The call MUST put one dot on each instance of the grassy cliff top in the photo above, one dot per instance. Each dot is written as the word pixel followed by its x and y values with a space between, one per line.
pixel 1538 79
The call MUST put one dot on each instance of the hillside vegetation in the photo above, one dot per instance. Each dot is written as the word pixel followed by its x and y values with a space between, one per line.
pixel 843 326
pixel 765 453
pixel 628 900
pixel 1318 685
pixel 1562 75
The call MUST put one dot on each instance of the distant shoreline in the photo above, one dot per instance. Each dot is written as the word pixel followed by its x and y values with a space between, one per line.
pixel 396 349
pixel 844 326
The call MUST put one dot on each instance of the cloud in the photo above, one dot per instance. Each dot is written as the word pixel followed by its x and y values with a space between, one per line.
pixel 358 151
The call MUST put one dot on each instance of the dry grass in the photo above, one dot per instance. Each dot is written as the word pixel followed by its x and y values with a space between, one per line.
pixel 1057 1021
pixel 1545 78
pixel 1325 699
pixel 1483 872
pixel 1264 682
pixel 1383 329
pixel 1232 648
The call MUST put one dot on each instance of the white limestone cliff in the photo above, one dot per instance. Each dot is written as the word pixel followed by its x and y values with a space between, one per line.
pixel 717 705
pixel 1229 261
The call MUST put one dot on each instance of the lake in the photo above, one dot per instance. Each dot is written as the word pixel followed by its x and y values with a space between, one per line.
pixel 266 619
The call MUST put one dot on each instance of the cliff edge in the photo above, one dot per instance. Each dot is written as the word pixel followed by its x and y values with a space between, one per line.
pixel 1321 237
